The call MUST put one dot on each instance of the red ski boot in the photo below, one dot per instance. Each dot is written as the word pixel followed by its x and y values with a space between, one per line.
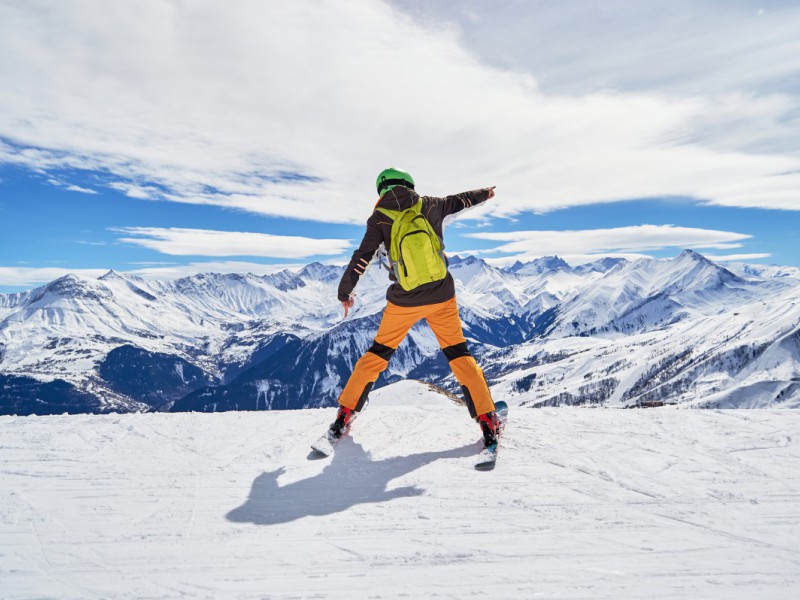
pixel 490 426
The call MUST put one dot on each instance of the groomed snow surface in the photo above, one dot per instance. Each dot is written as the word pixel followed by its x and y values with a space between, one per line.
pixel 584 503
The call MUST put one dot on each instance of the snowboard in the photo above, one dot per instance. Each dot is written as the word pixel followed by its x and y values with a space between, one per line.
pixel 487 459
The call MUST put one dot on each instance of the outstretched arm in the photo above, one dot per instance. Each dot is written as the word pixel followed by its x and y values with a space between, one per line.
pixel 458 202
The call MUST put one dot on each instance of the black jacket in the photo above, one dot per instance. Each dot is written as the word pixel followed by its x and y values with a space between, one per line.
pixel 379 228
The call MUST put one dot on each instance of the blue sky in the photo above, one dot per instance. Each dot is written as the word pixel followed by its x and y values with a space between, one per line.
pixel 170 139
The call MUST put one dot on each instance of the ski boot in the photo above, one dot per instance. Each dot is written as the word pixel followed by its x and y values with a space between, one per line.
pixel 490 426
pixel 340 426
pixel 325 444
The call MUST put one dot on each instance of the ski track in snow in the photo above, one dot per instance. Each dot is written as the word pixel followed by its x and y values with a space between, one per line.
pixel 584 503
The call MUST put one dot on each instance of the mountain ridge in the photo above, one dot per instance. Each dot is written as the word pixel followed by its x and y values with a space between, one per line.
pixel 279 340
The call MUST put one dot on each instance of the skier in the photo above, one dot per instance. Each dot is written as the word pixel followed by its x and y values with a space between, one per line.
pixel 422 288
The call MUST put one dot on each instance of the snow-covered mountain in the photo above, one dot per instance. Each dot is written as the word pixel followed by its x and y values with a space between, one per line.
pixel 609 504
pixel 613 332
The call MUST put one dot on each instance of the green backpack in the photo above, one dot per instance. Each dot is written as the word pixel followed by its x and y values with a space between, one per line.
pixel 416 253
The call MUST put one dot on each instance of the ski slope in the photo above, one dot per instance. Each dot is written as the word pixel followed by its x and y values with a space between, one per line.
pixel 584 503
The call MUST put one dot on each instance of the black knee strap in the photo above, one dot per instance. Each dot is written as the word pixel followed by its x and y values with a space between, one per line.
pixel 456 351
pixel 385 352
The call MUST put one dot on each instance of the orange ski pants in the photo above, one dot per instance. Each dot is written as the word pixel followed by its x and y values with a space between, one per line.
pixel 443 319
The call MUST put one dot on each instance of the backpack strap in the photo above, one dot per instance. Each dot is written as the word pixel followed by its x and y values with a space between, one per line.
pixel 393 214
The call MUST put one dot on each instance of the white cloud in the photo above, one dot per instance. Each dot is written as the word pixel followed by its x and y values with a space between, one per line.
pixel 621 241
pixel 28 277
pixel 141 192
pixel 67 186
pixel 205 242
pixel 32 276
pixel 79 189
pixel 212 103
pixel 242 267
pixel 683 46
pixel 737 257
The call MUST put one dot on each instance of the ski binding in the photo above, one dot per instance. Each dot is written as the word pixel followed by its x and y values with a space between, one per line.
pixel 487 459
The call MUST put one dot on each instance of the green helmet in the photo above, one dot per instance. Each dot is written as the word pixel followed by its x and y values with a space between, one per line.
pixel 390 178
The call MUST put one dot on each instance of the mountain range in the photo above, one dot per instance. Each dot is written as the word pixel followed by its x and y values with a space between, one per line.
pixel 614 332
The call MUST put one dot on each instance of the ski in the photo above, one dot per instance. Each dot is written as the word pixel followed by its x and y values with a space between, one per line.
pixel 326 443
pixel 487 459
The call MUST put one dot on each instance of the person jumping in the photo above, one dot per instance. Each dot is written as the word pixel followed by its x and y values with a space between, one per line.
pixel 409 227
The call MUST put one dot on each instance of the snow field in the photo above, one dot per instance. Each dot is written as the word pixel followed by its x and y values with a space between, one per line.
pixel 584 503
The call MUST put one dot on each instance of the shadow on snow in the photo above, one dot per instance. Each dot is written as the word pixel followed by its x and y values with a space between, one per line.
pixel 351 478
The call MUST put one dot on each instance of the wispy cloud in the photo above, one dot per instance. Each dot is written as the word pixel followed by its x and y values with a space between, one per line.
pixel 79 189
pixel 621 241
pixel 161 98
pixel 70 187
pixel 683 46
pixel 736 257
pixel 205 242
pixel 141 192
pixel 26 277
pixel 241 267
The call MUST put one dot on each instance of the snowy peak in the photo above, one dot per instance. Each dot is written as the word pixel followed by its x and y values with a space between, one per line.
pixel 467 269
pixel 210 280
pixel 468 260
pixel 646 294
pixel 316 271
pixel 689 259
pixel 764 272
pixel 689 277
pixel 73 287
pixel 487 289
pixel 111 275
pixel 693 272
pixel 604 265
pixel 284 281
pixel 692 255
pixel 65 284
pixel 539 266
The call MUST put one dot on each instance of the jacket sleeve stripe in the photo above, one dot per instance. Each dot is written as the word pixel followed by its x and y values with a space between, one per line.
pixel 360 260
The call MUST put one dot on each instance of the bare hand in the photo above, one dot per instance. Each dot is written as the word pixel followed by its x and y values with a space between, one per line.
pixel 347 304
pixel 491 191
